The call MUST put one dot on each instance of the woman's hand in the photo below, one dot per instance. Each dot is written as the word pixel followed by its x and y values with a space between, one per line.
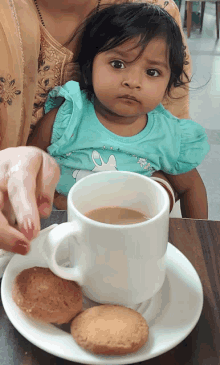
pixel 28 177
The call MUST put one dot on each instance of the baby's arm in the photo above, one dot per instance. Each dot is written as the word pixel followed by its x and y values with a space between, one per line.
pixel 41 136
pixel 193 197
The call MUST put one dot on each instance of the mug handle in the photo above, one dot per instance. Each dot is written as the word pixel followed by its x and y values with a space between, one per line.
pixel 54 239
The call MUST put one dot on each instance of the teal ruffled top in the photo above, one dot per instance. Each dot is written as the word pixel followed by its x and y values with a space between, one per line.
pixel 82 145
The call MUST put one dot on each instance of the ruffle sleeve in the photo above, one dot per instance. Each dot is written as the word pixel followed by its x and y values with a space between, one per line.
pixel 193 147
pixel 69 100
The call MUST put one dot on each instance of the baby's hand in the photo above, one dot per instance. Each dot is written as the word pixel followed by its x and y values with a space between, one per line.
pixel 60 201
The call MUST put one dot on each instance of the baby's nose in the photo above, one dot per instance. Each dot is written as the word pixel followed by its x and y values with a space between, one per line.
pixel 133 79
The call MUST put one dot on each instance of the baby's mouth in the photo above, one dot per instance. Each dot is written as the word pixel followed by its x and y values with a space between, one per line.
pixel 129 97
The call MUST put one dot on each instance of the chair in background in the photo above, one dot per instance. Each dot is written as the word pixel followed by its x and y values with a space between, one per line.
pixel 189 14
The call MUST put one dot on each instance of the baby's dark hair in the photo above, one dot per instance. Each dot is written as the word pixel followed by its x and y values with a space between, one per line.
pixel 115 24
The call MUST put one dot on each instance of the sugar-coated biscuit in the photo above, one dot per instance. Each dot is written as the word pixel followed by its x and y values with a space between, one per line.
pixel 47 297
pixel 110 330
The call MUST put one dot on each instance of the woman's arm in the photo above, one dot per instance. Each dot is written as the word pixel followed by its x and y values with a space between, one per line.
pixel 192 191
pixel 41 136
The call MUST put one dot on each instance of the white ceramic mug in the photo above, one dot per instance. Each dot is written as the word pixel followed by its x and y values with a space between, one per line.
pixel 117 264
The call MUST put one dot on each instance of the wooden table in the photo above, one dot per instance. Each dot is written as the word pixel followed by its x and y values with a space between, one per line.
pixel 199 241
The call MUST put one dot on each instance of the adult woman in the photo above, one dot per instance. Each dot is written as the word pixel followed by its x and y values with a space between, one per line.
pixel 38 55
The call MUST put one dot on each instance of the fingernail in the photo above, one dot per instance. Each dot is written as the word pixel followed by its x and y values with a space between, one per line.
pixel 44 205
pixel 20 247
pixel 42 200
pixel 28 228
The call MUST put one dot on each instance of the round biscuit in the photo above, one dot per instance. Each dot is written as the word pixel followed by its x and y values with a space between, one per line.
pixel 110 330
pixel 46 297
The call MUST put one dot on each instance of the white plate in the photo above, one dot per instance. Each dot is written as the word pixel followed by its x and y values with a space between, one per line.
pixel 5 257
pixel 171 314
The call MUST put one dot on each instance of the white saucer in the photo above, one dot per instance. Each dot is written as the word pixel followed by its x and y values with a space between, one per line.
pixel 171 314
pixel 5 257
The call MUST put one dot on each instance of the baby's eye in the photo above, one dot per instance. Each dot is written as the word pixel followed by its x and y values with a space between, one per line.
pixel 117 64
pixel 153 73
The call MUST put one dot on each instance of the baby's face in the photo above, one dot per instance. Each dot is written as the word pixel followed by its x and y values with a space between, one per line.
pixel 129 87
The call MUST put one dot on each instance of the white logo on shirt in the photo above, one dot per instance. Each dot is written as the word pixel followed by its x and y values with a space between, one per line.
pixel 109 166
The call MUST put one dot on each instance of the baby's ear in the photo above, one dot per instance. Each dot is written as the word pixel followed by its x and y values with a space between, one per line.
pixel 112 161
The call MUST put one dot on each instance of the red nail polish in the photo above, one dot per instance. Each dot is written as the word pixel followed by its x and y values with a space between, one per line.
pixel 43 200
pixel 28 228
pixel 20 247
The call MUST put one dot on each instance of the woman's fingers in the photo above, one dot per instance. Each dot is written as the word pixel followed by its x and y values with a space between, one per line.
pixel 21 184
pixel 11 239
pixel 46 183
pixel 38 191
pixel 29 178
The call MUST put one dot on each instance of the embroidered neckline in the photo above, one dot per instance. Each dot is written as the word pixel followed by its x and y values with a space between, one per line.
pixel 59 47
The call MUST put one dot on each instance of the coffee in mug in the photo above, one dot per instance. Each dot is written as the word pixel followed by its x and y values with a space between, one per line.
pixel 116 264
pixel 116 215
